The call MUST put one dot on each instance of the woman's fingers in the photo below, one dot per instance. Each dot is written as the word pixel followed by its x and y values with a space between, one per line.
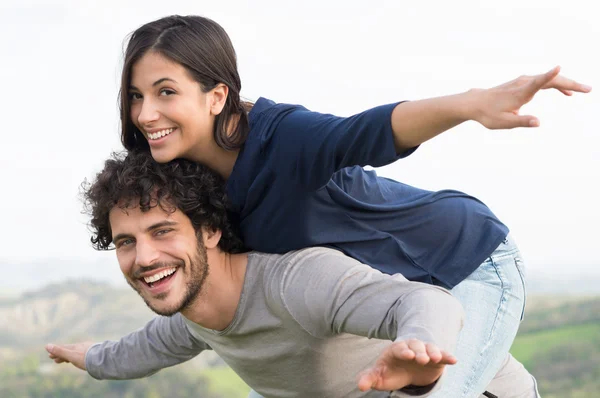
pixel 544 80
pixel 563 84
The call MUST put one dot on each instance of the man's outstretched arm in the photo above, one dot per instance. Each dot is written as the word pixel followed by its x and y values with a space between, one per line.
pixel 329 293
pixel 163 342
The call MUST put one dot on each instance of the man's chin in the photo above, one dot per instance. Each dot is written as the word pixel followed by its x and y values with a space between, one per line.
pixel 172 296
pixel 161 306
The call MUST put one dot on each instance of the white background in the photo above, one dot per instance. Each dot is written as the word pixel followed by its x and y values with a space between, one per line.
pixel 60 73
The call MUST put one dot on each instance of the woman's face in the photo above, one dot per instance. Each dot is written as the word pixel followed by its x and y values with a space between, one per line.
pixel 171 110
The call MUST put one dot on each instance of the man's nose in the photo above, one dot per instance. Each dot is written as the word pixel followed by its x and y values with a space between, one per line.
pixel 146 254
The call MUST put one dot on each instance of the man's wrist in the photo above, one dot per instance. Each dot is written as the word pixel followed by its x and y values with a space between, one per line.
pixel 411 389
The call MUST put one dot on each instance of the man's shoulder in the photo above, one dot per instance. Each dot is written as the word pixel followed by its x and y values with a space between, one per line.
pixel 316 254
pixel 313 260
pixel 308 254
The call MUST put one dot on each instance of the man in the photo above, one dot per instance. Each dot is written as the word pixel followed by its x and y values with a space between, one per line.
pixel 305 324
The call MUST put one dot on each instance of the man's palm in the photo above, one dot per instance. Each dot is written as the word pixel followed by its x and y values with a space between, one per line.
pixel 404 363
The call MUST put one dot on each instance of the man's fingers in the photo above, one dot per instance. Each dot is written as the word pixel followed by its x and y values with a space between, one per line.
pixel 448 359
pixel 59 352
pixel 52 349
pixel 402 351
pixel 418 347
pixel 73 353
pixel 434 353
pixel 367 380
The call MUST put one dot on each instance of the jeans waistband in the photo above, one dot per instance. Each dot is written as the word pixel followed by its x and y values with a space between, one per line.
pixel 506 248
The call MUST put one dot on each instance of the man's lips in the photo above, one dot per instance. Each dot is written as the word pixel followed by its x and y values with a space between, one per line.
pixel 161 285
pixel 152 277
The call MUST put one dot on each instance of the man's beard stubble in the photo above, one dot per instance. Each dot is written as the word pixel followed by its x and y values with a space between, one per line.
pixel 198 271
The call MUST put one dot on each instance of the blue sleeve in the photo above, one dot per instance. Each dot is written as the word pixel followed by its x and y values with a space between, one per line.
pixel 309 147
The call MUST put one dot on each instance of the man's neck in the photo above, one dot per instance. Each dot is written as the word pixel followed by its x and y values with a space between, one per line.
pixel 218 301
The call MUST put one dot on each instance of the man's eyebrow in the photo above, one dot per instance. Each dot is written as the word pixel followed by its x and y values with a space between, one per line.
pixel 152 227
pixel 156 83
pixel 161 224
pixel 118 237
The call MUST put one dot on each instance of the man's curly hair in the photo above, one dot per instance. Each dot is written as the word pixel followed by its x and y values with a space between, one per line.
pixel 136 179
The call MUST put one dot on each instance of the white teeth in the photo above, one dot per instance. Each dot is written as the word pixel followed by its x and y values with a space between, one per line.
pixel 159 276
pixel 159 134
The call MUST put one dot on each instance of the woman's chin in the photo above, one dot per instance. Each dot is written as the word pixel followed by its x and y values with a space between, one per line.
pixel 163 155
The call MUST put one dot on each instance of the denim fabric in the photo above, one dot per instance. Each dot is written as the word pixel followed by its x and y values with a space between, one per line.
pixel 254 394
pixel 493 297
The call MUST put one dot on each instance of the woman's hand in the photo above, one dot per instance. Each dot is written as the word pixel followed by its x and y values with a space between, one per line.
pixel 498 107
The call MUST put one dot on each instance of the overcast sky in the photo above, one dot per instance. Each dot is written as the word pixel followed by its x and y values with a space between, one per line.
pixel 61 65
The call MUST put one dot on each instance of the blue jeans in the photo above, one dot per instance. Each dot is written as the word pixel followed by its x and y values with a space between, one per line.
pixel 493 298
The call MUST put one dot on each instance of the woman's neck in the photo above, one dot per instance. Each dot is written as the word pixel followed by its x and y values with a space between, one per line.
pixel 212 155
pixel 225 163
pixel 218 159
pixel 222 160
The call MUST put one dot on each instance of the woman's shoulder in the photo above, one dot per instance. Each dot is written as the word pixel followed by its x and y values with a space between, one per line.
pixel 267 107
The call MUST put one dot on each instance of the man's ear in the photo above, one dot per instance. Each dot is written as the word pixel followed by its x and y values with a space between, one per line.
pixel 211 237
pixel 218 97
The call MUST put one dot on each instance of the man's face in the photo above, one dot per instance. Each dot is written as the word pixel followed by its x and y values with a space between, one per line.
pixel 160 256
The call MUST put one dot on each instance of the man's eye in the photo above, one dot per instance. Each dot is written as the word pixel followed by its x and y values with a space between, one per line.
pixel 125 242
pixel 163 231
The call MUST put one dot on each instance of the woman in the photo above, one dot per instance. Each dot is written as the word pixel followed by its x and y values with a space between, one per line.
pixel 295 177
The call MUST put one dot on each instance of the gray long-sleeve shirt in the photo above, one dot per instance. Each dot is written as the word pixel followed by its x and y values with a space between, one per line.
pixel 307 323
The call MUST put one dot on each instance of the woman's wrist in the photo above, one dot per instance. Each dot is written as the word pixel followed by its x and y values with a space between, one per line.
pixel 469 104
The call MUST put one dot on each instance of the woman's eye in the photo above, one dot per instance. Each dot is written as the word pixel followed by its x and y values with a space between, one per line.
pixel 135 96
pixel 166 91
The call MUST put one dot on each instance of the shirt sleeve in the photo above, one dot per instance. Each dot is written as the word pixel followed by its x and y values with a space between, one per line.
pixel 163 342
pixel 345 296
pixel 309 147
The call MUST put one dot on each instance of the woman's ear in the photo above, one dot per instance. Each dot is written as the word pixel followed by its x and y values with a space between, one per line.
pixel 218 97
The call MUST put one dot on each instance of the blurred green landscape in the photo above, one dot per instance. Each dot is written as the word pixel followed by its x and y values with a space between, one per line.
pixel 559 342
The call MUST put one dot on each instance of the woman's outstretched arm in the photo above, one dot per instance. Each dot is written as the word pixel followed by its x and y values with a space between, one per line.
pixel 496 108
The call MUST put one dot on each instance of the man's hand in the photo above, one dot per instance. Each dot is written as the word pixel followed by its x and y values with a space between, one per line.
pixel 73 353
pixel 404 363
pixel 498 107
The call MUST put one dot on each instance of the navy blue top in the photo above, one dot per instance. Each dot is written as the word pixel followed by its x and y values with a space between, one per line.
pixel 299 182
